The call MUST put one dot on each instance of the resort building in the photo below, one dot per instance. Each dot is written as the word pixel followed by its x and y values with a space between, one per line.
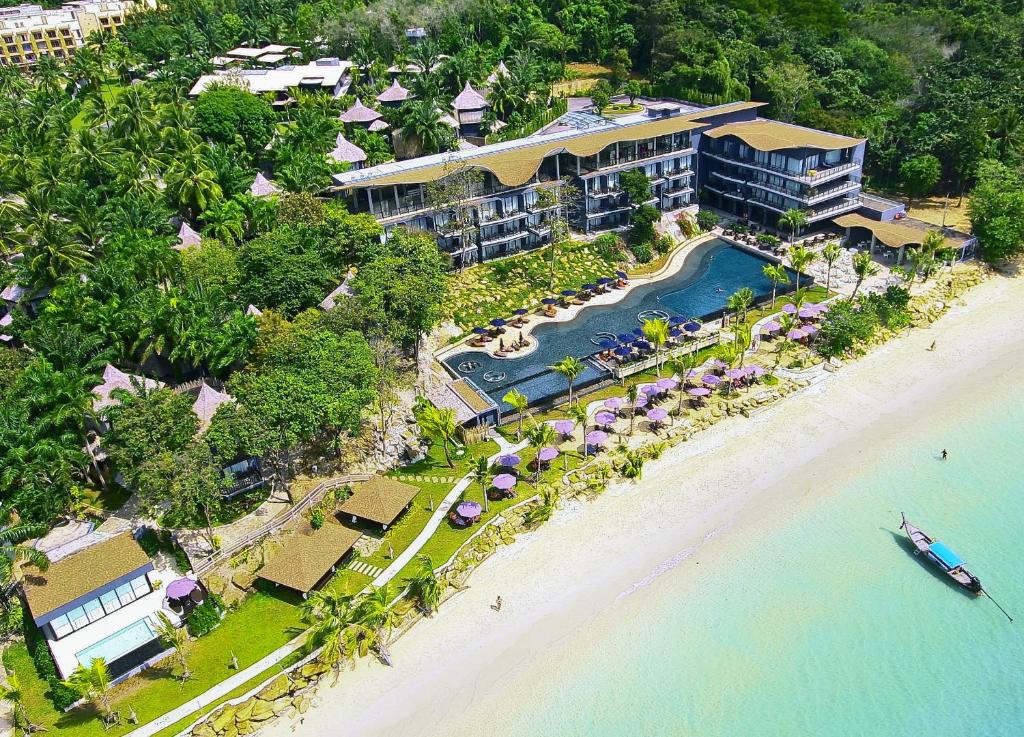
pixel 30 32
pixel 759 169
pixel 378 501
pixel 330 75
pixel 99 598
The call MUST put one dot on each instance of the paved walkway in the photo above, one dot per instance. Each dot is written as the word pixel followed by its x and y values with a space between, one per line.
pixel 365 568
pixel 225 687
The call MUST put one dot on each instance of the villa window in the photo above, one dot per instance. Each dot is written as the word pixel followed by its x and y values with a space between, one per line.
pixel 832 157
pixel 110 602
pixel 93 610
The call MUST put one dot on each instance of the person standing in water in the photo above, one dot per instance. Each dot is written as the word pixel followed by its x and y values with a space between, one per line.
pixel 944 454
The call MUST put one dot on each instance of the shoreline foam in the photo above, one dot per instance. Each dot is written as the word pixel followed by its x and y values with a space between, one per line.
pixel 713 494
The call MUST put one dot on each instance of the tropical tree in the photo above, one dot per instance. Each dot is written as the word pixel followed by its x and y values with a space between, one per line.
pixel 792 220
pixel 800 258
pixel 425 585
pixel 440 424
pixel 787 323
pixel 830 254
pixel 540 436
pixel 578 413
pixel 740 301
pixel 14 697
pixel 93 683
pixel 777 274
pixel 177 638
pixel 656 331
pixel 570 368
pixel 481 472
pixel 632 394
pixel 632 465
pixel 550 501
pixel 12 551
pixel 329 614
pixel 377 613
pixel 519 402
pixel 681 366
pixel 422 121
pixel 864 267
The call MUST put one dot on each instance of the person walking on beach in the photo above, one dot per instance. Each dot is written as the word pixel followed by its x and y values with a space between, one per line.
pixel 496 606
pixel 932 346
pixel 944 454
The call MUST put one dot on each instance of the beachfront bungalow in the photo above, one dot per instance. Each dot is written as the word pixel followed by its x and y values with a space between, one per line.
pixel 99 598
pixel 891 238
pixel 308 558
pixel 379 501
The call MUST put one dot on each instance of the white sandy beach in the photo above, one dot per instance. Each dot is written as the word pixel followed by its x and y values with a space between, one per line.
pixel 699 502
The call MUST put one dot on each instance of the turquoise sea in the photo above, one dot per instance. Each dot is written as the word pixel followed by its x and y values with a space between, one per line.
pixel 825 625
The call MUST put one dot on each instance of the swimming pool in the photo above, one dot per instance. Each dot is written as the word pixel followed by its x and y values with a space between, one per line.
pixel 713 272
pixel 120 643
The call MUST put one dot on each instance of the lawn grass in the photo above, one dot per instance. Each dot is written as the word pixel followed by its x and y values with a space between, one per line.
pixel 496 288
pixel 109 499
pixel 263 622
pixel 110 91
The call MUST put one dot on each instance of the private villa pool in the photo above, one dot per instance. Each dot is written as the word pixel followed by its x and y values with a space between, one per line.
pixel 700 289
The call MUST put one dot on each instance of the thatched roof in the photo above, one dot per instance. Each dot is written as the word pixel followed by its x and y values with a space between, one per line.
pixel 501 71
pixel 394 93
pixel 187 237
pixel 469 99
pixel 83 572
pixel 378 125
pixel 263 187
pixel 308 555
pixel 381 499
pixel 891 233
pixel 206 404
pixel 345 150
pixel 114 378
pixel 359 113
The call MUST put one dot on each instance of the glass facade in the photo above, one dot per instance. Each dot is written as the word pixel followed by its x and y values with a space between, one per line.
pixel 106 603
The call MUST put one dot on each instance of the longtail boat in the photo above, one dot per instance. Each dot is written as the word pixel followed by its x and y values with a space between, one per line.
pixel 942 556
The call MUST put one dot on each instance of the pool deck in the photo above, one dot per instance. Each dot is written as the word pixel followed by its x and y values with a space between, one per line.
pixel 672 266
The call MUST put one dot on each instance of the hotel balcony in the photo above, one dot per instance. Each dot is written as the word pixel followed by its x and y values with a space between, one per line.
pixel 607 211
pixel 495 218
pixel 503 237
pixel 629 160
pixel 808 197
pixel 606 192
pixel 821 174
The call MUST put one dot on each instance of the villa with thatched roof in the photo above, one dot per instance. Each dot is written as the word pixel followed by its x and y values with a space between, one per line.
pixel 263 187
pixel 347 152
pixel 380 500
pixel 114 378
pixel 309 556
pixel 187 237
pixel 394 95
pixel 359 114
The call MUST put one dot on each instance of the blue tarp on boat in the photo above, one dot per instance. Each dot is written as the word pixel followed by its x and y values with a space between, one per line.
pixel 944 554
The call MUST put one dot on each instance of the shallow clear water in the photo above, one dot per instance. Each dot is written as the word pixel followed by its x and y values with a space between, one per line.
pixel 695 291
pixel 826 625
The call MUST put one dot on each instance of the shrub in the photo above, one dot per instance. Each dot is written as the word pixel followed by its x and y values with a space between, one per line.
pixel 644 218
pixel 687 225
pixel 609 246
pixel 61 696
pixel 316 518
pixel 768 239
pixel 846 324
pixel 13 617
pixel 206 616
pixel 642 252
pixel 707 219
pixel 664 244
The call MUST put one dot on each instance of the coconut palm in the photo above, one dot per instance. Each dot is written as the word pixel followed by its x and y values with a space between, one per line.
pixel 425 585
pixel 578 412
pixel 777 274
pixel 800 258
pixel 481 472
pixel 830 254
pixel 378 614
pixel 194 188
pixel 864 268
pixel 93 683
pixel 14 697
pixel 329 614
pixel 225 221
pixel 569 367
pixel 177 638
pixel 632 394
pixel 13 552
pixel 519 402
pixel 933 242
pixel 656 331
pixel 422 121
pixel 792 220
pixel 681 366
pixel 632 466
pixel 740 301
pixel 550 501
pixel 742 337
pixel 440 424
pixel 539 437
pixel 787 323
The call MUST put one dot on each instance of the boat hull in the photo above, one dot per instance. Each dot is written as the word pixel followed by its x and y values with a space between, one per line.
pixel 923 544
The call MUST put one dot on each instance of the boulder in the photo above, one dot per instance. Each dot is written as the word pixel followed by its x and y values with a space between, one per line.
pixel 261 711
pixel 302 704
pixel 223 718
pixel 277 688
pixel 231 730
pixel 282 705
pixel 244 727
pixel 204 730
pixel 313 669
pixel 244 711
pixel 243 579
pixel 216 583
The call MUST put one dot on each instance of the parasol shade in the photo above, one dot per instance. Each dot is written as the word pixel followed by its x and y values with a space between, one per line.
pixel 504 481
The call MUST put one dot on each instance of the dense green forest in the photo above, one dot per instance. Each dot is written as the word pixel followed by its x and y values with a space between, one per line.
pixel 101 159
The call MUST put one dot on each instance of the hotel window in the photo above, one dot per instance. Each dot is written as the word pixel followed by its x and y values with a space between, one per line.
pixel 125 593
pixel 78 618
pixel 140 586
pixel 61 626
pixel 110 602
pixel 93 610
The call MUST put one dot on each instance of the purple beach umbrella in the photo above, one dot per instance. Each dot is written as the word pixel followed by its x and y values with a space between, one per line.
pixel 667 384
pixel 621 274
pixel 623 350
pixel 698 391
pixel 692 374
pixel 504 481
pixel 789 309
pixel 613 403
pixel 807 314
pixel 625 337
pixel 605 280
pixel 547 453
pixel 549 301
pixel 607 344
pixel 757 370
pixel 711 379
pixel 770 327
pixel 565 426
pixel 589 287
pixel 604 418
pixel 809 329
pixel 521 311
pixel 735 373
pixel 509 460
pixel 498 322
pixel 568 292
pixel 481 331
pixel 468 510
pixel 691 327
pixel 676 320
pixel 641 401
pixel 181 588
pixel 650 389
pixel 796 334
pixel 596 437
pixel 657 414
pixel 719 365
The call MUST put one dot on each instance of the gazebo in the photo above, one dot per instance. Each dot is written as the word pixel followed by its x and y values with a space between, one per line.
pixel 500 71
pixel 347 152
pixel 380 500
pixel 206 404
pixel 359 114
pixel 309 556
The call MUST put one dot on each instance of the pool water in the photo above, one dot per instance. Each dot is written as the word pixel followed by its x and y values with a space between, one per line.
pixel 120 643
pixel 699 289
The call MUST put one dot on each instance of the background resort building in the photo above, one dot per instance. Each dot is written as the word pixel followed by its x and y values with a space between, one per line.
pixel 330 75
pixel 30 32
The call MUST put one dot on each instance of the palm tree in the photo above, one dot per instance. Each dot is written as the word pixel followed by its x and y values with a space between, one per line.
pixel 481 471
pixel 225 221
pixel 864 268
pixel 787 322
pixel 632 394
pixel 800 258
pixel 93 683
pixel 12 551
pixel 933 242
pixel 540 436
pixel 195 188
pixel 425 586
pixel 550 501
pixel 1007 131
pixel 632 464
pixel 329 614
pixel 177 638
pixel 830 254
pixel 681 367
pixel 793 220
pixel 422 121
pixel 440 424
pixel 519 402
pixel 777 274
pixel 378 614
pixel 740 301
pixel 14 697
pixel 578 412
pixel 742 336
pixel 656 331
pixel 569 367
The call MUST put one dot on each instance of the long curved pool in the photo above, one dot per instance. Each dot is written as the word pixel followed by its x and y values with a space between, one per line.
pixel 700 289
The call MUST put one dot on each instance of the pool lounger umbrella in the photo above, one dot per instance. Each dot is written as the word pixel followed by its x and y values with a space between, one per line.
pixel 621 274
pixel 589 287
pixel 481 331
pixel 568 292
pixel 498 322
pixel 608 344
pixel 613 403
pixel 547 453
pixel 508 460
pixel 667 384
pixel 691 327
pixel 605 280
pixel 468 510
pixel 623 350
pixel 796 334
pixel 735 373
pixel 698 391
pixel 676 320
pixel 625 337
pixel 770 327
pixel 596 437
pixel 181 588
pixel 549 301
pixel 809 329
pixel 604 418
pixel 789 309
pixel 711 379
pixel 650 389
pixel 657 414
pixel 565 426
pixel 504 481
pixel 521 311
